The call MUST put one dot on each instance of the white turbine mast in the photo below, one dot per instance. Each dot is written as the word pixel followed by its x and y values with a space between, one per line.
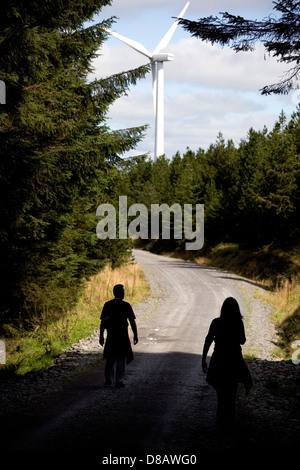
pixel 157 58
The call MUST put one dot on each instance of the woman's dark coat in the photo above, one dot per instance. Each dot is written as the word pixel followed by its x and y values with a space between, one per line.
pixel 227 365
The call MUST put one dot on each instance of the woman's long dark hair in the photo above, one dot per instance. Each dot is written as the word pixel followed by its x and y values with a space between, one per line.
pixel 230 310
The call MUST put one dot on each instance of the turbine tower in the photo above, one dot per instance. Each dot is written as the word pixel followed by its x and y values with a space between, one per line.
pixel 157 59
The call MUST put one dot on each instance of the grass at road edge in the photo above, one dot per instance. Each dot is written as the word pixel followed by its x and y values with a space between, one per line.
pixel 35 350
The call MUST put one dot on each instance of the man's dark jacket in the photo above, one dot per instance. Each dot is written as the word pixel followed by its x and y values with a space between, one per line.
pixel 115 315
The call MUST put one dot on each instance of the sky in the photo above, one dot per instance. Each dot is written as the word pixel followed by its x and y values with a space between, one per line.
pixel 208 89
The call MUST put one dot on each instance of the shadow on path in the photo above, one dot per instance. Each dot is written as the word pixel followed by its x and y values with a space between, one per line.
pixel 166 407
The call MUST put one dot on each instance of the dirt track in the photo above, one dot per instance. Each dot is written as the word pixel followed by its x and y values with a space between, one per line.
pixel 166 406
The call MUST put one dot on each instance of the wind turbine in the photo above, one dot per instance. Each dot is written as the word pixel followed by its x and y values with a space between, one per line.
pixel 157 59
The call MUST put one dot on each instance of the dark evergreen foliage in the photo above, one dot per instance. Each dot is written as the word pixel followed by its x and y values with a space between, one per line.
pixel 58 155
pixel 251 192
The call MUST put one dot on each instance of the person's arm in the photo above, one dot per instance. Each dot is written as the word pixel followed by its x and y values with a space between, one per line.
pixel 208 341
pixel 103 317
pixel 134 330
pixel 101 336
pixel 242 334
pixel 131 318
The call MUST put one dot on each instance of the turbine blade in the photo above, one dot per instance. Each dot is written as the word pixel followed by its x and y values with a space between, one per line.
pixel 134 44
pixel 167 37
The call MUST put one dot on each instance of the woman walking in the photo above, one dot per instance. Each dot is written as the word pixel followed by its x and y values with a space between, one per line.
pixel 227 367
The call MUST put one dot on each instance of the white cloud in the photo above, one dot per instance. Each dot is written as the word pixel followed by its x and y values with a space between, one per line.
pixel 208 89
pixel 209 65
pixel 193 120
pixel 187 106
pixel 200 64
pixel 116 59
pixel 150 19
pixel 203 132
pixel 131 7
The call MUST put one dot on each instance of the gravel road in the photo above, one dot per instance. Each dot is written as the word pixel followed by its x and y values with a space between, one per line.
pixel 166 407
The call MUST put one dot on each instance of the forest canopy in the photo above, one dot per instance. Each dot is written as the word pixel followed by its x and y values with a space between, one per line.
pixel 250 191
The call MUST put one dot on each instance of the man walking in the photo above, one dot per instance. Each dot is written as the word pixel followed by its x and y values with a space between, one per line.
pixel 117 350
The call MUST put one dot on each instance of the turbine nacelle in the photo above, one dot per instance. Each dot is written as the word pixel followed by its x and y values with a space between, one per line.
pixel 162 57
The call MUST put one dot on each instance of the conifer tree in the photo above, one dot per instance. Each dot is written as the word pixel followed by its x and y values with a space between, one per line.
pixel 269 187
pixel 57 152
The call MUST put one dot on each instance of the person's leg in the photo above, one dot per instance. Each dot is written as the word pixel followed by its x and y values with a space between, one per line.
pixel 221 408
pixel 226 404
pixel 231 401
pixel 109 370
pixel 120 371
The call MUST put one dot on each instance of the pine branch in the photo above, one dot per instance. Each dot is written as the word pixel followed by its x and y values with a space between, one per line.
pixel 106 90
pixel 280 37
